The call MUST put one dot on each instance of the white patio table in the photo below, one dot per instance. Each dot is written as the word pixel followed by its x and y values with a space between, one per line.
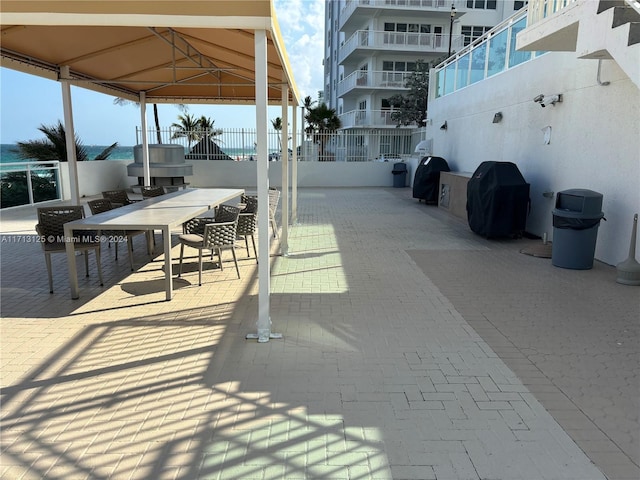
pixel 158 213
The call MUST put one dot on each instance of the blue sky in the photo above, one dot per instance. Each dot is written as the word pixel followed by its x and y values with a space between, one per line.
pixel 26 101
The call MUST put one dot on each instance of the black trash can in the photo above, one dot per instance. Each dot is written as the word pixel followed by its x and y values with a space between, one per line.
pixel 576 219
pixel 399 175
pixel 426 182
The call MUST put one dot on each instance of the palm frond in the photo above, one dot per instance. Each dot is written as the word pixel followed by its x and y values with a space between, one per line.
pixel 106 152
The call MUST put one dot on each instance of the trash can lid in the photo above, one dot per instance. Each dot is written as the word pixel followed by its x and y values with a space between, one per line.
pixel 399 166
pixel 580 192
pixel 579 200
pixel 560 212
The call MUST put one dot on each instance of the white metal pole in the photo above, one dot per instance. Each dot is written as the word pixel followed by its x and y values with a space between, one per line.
pixel 146 172
pixel 294 167
pixel 70 134
pixel 263 333
pixel 284 142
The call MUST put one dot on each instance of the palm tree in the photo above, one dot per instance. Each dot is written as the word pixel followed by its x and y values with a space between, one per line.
pixel 206 126
pixel 189 128
pixel 54 146
pixel 308 103
pixel 276 123
pixel 322 121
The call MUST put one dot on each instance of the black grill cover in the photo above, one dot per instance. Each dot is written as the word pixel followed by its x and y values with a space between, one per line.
pixel 497 200
pixel 426 182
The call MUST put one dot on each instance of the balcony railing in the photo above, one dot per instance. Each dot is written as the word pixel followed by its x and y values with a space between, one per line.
pixel 378 79
pixel 367 118
pixel 396 5
pixel 401 41
pixel 541 9
pixel 27 183
pixel 489 55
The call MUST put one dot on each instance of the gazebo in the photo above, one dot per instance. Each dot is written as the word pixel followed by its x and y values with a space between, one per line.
pixel 160 51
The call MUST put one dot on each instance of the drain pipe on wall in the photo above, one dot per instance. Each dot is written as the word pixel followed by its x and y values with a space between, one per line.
pixel 602 84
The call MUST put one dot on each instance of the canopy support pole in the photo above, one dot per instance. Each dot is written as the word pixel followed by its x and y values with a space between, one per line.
pixel 264 333
pixel 284 147
pixel 146 171
pixel 294 167
pixel 70 134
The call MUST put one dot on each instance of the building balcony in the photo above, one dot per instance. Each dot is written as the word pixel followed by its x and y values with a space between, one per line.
pixel 364 42
pixel 365 82
pixel 356 12
pixel 551 26
pixel 367 119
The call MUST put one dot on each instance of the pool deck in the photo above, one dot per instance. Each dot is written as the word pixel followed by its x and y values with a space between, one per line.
pixel 412 349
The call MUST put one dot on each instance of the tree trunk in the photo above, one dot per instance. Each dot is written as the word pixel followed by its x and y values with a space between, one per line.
pixel 156 117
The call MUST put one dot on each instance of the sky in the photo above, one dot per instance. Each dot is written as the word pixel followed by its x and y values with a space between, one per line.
pixel 27 101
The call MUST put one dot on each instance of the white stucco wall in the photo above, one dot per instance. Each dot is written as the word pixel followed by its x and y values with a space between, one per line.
pixel 310 174
pixel 595 138
pixel 96 177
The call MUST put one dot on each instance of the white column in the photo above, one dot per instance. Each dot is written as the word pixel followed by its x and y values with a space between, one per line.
pixel 70 134
pixel 263 333
pixel 294 167
pixel 146 173
pixel 284 142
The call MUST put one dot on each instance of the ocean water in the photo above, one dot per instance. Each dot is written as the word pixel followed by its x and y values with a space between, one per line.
pixel 119 153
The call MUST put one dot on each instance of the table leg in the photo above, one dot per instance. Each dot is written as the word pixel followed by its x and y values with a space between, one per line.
pixel 166 237
pixel 71 262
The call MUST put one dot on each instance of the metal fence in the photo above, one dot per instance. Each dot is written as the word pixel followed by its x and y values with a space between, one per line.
pixel 358 145
pixel 27 183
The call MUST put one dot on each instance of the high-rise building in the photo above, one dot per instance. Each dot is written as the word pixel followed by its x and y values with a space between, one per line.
pixel 371 46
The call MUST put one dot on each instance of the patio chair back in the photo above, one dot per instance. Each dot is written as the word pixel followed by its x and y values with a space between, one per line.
pixel 247 228
pixel 118 197
pixel 50 227
pixel 227 213
pixel 100 205
pixel 274 199
pixel 251 202
pixel 150 192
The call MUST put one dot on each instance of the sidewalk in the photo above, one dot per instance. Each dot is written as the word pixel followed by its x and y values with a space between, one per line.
pixel 413 349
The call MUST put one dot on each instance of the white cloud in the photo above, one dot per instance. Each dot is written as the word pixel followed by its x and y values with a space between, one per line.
pixel 302 26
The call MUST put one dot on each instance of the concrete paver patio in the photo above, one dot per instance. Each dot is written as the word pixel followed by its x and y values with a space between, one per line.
pixel 412 349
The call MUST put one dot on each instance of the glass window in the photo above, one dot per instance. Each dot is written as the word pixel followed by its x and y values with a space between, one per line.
pixel 478 57
pixel 482 4
pixel 401 27
pixel 389 27
pixel 450 78
pixel 400 67
pixel 440 83
pixel 497 53
pixel 518 4
pixel 472 33
pixel 463 71
pixel 479 31
pixel 517 57
pixel 387 66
